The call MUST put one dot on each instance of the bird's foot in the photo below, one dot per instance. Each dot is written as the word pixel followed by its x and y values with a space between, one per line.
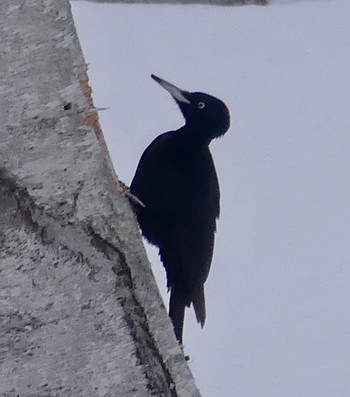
pixel 125 192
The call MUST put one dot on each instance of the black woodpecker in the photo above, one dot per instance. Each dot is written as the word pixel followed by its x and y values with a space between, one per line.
pixel 177 182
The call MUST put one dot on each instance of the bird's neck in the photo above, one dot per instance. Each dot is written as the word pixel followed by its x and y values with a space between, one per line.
pixel 192 136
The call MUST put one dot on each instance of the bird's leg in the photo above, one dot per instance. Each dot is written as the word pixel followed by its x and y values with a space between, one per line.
pixel 125 191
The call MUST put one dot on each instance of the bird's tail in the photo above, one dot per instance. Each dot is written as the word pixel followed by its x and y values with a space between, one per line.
pixel 177 308
pixel 198 302
pixel 177 312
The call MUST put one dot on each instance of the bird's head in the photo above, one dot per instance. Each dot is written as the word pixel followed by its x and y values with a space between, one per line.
pixel 204 114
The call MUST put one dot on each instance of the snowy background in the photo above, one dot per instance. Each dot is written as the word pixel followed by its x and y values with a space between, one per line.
pixel 278 296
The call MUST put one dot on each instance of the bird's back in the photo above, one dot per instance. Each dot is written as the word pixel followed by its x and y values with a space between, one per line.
pixel 177 183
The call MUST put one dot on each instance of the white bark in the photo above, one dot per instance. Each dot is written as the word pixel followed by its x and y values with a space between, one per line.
pixel 208 2
pixel 80 313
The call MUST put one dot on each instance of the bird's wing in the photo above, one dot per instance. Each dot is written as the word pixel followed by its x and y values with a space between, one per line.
pixel 158 177
pixel 187 253
pixel 165 181
pixel 187 257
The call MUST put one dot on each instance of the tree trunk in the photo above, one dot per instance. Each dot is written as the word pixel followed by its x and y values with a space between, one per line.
pixel 209 2
pixel 80 313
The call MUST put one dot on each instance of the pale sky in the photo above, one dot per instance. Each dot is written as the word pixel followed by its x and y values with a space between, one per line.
pixel 278 295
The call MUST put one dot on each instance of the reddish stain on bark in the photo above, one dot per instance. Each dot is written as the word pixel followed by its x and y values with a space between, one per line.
pixel 91 117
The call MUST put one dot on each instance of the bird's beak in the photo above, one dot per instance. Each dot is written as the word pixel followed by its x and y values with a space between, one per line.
pixel 178 95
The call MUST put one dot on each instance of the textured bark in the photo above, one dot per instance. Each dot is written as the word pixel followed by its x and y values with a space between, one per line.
pixel 80 313
pixel 208 2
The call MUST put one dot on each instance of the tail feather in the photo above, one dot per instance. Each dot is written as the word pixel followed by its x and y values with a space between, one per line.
pixel 177 307
pixel 198 302
pixel 177 312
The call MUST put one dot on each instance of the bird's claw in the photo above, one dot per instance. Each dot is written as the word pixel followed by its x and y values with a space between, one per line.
pixel 125 192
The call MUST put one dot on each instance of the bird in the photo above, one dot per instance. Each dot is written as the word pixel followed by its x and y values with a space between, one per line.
pixel 177 184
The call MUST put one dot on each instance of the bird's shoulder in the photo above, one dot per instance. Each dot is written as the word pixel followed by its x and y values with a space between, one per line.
pixel 174 174
pixel 160 148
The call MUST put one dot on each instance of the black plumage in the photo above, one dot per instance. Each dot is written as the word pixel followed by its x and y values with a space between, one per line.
pixel 177 182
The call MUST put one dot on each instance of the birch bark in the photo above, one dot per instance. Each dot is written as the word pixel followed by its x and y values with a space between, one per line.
pixel 80 313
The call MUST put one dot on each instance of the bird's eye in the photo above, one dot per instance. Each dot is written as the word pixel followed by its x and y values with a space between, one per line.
pixel 201 105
